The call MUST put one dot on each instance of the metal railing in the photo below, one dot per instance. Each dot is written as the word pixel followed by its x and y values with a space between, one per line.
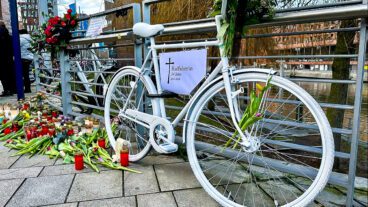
pixel 123 38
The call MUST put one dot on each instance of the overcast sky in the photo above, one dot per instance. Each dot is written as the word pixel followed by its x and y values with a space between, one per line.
pixel 86 6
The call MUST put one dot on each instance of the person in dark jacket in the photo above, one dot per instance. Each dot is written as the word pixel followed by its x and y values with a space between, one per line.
pixel 7 73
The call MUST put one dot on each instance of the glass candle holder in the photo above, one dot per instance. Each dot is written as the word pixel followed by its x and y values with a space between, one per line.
pixel 124 155
pixel 14 111
pixel 78 161
pixel 101 143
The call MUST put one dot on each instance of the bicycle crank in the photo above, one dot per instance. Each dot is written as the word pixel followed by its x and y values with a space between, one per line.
pixel 162 134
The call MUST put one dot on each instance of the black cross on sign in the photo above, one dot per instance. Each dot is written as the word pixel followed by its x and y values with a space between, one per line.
pixel 169 63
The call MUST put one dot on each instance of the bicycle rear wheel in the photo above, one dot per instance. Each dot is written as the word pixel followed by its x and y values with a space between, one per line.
pixel 128 90
pixel 291 153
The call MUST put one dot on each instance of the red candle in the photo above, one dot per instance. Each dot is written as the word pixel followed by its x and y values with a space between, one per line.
pixel 29 135
pixel 124 158
pixel 78 162
pixel 101 143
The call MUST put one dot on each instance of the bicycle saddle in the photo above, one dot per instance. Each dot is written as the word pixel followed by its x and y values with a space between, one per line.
pixel 147 30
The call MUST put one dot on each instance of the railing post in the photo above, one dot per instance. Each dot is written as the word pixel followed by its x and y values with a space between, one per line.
pixel 65 85
pixel 36 61
pixel 137 43
pixel 357 110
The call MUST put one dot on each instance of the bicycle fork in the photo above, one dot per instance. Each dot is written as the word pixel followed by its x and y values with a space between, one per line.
pixel 231 98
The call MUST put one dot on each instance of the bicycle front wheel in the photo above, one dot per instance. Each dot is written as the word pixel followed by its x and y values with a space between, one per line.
pixel 291 150
pixel 128 90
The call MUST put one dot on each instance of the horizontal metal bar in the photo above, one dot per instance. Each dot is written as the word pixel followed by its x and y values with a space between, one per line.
pixel 301 32
pixel 186 45
pixel 288 145
pixel 280 122
pixel 318 80
pixel 101 47
pixel 87 105
pixel 107 12
pixel 80 82
pixel 148 2
pixel 52 69
pixel 46 85
pixel 49 94
pixel 320 6
pixel 103 72
pixel 59 108
pixel 334 13
pixel 86 59
pixel 73 113
pixel 298 56
pixel 48 77
pixel 282 166
pixel 86 94
pixel 101 38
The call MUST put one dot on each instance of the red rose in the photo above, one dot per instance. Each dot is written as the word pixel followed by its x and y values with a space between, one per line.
pixel 49 40
pixel 63 24
pixel 4 121
pixel 54 39
pixel 7 131
pixel 72 22
pixel 67 16
pixel 57 18
pixel 70 11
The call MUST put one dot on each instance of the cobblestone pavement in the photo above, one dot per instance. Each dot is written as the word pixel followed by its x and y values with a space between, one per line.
pixel 165 181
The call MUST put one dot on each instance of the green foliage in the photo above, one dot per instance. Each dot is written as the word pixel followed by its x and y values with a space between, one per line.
pixel 240 14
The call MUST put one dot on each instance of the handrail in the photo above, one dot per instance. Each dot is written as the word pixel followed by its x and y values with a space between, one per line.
pixel 110 11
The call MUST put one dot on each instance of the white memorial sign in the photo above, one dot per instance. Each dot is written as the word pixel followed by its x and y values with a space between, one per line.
pixel 95 26
pixel 182 71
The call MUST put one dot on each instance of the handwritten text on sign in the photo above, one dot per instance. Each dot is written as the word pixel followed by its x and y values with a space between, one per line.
pixel 182 71
pixel 95 26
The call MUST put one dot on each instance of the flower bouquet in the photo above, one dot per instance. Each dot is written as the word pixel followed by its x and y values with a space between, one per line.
pixel 55 34
pixel 38 129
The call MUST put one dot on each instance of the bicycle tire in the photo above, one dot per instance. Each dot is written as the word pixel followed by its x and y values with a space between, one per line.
pixel 204 163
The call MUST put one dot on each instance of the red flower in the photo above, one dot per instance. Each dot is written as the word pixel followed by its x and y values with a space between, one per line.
pixel 67 16
pixel 57 18
pixel 70 11
pixel 63 24
pixel 7 131
pixel 72 22
pixel 4 121
pixel 49 40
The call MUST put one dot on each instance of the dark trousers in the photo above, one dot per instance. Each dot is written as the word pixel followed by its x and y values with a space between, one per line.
pixel 27 82
pixel 8 77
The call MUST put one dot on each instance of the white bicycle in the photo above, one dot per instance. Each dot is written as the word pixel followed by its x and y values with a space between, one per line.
pixel 252 138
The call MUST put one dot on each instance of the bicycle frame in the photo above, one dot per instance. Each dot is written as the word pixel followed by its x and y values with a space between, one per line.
pixel 222 67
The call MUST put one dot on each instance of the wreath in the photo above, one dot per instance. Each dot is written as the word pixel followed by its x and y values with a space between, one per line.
pixel 55 34
pixel 239 15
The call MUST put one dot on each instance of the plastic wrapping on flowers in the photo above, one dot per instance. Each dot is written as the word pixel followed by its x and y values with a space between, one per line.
pixel 37 129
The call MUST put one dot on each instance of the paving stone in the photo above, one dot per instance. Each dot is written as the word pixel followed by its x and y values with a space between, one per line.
pixel 89 186
pixel 35 161
pixel 113 202
pixel 156 200
pixel 248 194
pixel 59 162
pixel 62 170
pixel 160 159
pixel 175 176
pixel 282 192
pixel 6 160
pixel 330 197
pixel 64 205
pixel 194 197
pixel 20 173
pixel 7 189
pixel 144 183
pixel 42 191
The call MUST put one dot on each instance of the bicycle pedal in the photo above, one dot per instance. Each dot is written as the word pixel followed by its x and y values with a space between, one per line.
pixel 169 148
